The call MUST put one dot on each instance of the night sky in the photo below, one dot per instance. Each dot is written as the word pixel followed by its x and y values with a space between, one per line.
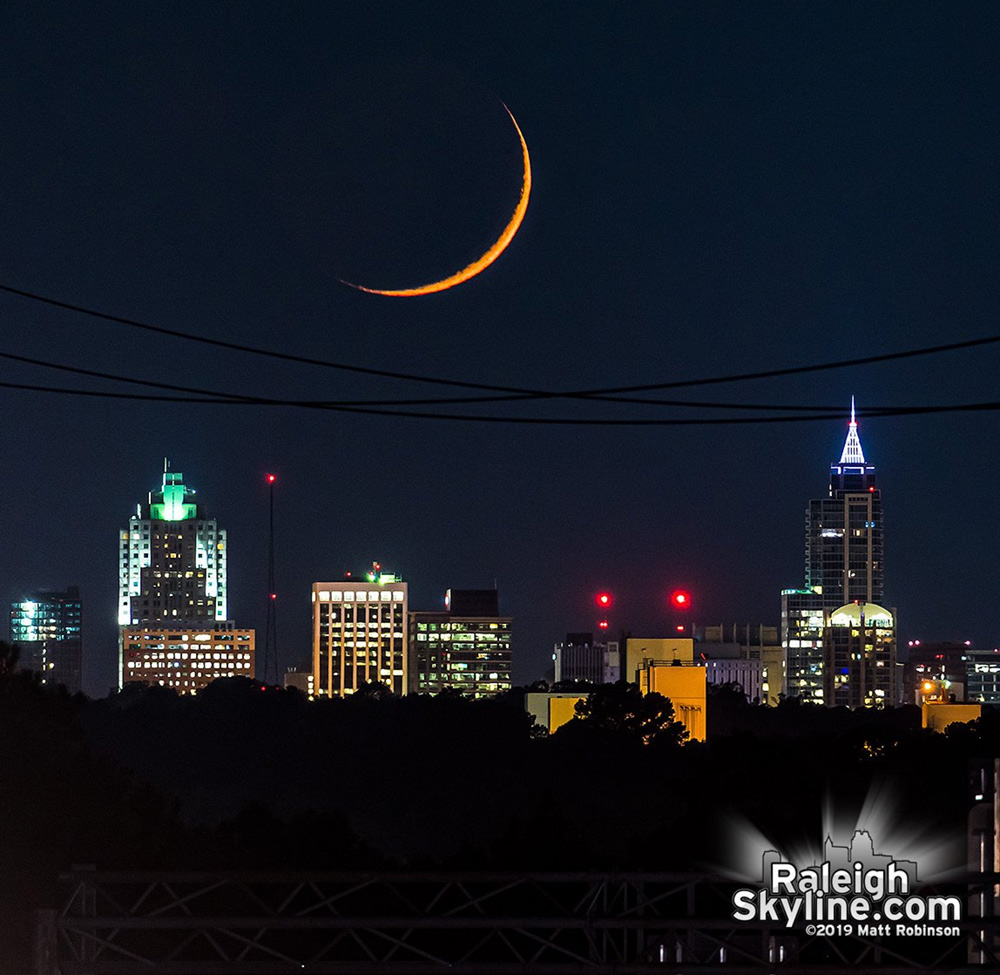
pixel 718 188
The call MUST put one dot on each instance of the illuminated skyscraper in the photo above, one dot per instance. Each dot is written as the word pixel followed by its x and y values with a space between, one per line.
pixel 172 561
pixel 172 606
pixel 46 626
pixel 360 634
pixel 844 536
pixel 843 564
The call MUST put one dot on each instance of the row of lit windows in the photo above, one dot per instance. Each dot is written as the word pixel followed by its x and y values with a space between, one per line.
pixel 351 645
pixel 226 654
pixel 461 637
pixel 220 636
pixel 461 627
pixel 340 633
pixel 225 669
pixel 360 665
pixel 360 595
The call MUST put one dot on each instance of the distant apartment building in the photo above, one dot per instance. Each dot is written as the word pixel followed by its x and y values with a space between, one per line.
pixel 173 605
pixel 47 625
pixel 360 634
pixel 580 658
pixel 467 647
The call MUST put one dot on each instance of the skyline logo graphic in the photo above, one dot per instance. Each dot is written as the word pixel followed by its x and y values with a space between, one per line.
pixel 852 890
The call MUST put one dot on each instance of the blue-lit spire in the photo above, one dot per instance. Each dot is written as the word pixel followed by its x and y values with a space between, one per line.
pixel 852 454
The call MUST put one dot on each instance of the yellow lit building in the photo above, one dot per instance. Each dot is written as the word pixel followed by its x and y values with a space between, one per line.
pixel 640 652
pixel 185 659
pixel 685 686
pixel 551 709
pixel 937 717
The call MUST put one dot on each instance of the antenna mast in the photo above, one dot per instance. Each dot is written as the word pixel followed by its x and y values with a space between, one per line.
pixel 269 672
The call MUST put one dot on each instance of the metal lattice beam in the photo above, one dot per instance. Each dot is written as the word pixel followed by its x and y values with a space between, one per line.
pixel 463 924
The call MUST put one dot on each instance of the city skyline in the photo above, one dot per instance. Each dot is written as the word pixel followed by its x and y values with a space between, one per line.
pixel 176 501
pixel 712 193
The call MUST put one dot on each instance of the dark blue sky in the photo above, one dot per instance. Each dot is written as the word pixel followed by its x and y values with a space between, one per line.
pixel 718 188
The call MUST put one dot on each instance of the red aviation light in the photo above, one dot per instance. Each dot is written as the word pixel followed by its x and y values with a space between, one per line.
pixel 602 624
pixel 603 599
pixel 271 478
pixel 680 600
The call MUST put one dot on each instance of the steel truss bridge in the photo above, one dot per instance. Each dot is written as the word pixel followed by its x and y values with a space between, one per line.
pixel 464 924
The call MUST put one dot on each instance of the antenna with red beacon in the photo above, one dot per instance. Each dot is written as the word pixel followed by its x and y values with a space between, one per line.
pixel 680 599
pixel 269 671
pixel 603 601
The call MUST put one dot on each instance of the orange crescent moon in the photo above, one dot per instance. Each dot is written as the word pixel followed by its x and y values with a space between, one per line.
pixel 490 256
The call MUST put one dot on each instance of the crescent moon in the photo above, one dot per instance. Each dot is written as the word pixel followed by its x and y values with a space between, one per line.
pixel 480 264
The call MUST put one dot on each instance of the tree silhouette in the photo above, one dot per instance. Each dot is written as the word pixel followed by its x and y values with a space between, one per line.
pixel 622 709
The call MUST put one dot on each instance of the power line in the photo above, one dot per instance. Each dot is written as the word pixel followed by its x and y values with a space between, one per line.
pixel 228 400
pixel 217 395
pixel 254 350
pixel 603 392
pixel 430 401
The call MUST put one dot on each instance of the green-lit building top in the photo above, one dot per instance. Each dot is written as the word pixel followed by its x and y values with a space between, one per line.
pixel 173 502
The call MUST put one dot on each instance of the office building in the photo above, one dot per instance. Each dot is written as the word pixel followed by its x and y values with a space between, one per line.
pixel 844 565
pixel 465 648
pixel 982 676
pixel 360 634
pixel 186 659
pixel 859 652
pixel 173 620
pixel 934 671
pixel 580 659
pixel 47 627
pixel 750 656
pixel 802 622
pixel 844 531
pixel 172 561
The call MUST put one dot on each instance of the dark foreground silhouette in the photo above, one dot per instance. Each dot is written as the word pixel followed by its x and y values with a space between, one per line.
pixel 245 777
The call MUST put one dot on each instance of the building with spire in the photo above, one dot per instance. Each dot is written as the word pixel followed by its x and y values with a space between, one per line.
pixel 844 566
pixel 172 594
pixel 844 534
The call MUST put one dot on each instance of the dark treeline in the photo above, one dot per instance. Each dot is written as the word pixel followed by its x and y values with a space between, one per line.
pixel 240 777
